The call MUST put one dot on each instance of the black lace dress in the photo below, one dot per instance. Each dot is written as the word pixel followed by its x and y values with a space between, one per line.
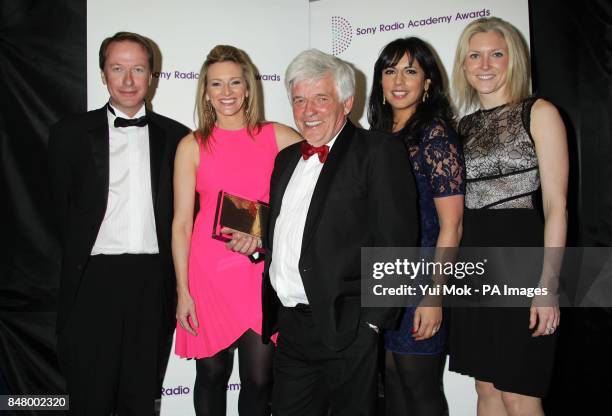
pixel 502 209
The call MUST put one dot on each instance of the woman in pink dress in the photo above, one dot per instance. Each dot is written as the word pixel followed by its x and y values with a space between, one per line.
pixel 219 289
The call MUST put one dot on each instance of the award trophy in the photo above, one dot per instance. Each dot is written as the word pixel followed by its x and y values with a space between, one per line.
pixel 239 214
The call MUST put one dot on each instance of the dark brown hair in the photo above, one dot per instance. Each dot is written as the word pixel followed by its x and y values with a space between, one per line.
pixel 126 37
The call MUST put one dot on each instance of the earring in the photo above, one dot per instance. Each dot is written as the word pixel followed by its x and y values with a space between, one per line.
pixel 384 100
pixel 425 96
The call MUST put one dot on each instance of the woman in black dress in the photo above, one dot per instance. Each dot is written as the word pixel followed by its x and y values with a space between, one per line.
pixel 516 161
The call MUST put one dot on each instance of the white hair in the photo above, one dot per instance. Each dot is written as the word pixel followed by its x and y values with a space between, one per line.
pixel 312 64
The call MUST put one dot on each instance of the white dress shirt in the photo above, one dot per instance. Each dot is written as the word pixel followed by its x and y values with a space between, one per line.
pixel 289 231
pixel 129 222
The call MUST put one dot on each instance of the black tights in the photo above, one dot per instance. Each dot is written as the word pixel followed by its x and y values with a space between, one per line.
pixel 413 385
pixel 213 373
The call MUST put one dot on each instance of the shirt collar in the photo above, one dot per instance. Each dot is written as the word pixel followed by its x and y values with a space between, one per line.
pixel 118 113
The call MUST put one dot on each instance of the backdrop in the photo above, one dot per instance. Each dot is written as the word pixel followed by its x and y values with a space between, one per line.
pixel 48 63
pixel 351 29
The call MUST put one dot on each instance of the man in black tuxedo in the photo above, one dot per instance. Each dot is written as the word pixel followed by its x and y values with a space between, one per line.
pixel 111 185
pixel 341 189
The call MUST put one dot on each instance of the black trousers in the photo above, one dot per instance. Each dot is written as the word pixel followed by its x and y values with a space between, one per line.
pixel 109 347
pixel 310 379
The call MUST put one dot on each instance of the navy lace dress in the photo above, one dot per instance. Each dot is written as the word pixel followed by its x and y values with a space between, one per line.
pixel 439 169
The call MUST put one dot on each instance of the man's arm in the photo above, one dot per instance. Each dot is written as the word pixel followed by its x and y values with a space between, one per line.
pixel 392 196
pixel 392 209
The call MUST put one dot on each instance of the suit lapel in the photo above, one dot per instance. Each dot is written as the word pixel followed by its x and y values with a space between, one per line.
pixel 319 196
pixel 279 192
pixel 156 150
pixel 99 140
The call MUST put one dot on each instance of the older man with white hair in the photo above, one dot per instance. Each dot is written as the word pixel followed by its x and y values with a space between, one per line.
pixel 341 189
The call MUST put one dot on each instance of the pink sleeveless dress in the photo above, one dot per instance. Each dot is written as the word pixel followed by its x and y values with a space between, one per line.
pixel 226 286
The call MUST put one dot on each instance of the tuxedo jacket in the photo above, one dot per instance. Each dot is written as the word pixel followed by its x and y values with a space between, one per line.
pixel 365 196
pixel 79 175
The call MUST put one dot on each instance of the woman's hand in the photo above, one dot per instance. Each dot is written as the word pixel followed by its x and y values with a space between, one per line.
pixel 550 138
pixel 185 167
pixel 545 319
pixel 240 242
pixel 186 313
pixel 427 321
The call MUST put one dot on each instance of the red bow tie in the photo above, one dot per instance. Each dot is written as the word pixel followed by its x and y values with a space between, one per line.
pixel 309 150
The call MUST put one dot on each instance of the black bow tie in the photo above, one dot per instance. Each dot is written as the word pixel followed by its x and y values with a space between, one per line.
pixel 130 122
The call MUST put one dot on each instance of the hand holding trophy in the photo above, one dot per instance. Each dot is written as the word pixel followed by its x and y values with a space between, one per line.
pixel 240 242
pixel 240 223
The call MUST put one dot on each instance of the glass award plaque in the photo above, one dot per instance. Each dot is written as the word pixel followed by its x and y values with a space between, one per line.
pixel 240 214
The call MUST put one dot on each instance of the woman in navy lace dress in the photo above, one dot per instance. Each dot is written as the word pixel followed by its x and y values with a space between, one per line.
pixel 408 98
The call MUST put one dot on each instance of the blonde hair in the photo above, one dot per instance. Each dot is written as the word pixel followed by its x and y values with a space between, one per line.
pixel 206 113
pixel 518 77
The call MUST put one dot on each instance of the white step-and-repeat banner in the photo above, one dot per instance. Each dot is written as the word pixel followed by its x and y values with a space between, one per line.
pixel 357 30
pixel 272 32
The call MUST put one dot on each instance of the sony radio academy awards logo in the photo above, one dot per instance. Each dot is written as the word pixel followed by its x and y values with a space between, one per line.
pixel 342 35
pixel 343 32
pixel 191 75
